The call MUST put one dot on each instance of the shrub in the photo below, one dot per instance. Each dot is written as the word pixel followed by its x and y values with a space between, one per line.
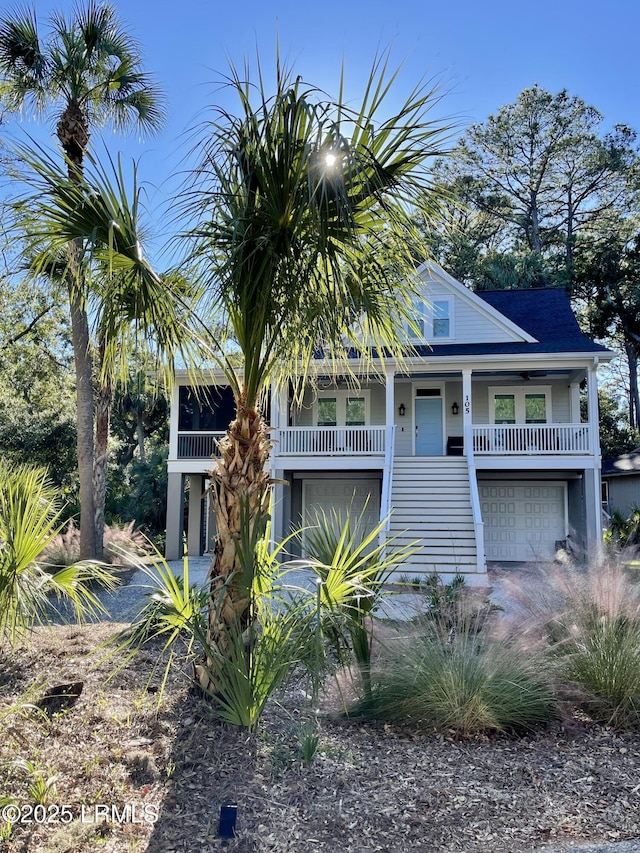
pixel 595 639
pixel 352 567
pixel 453 607
pixel 624 531
pixel 471 684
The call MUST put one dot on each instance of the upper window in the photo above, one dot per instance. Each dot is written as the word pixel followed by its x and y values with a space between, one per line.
pixel 504 409
pixel 342 408
pixel 535 408
pixel 441 319
pixel 520 405
pixel 432 320
pixel 327 411
pixel 355 411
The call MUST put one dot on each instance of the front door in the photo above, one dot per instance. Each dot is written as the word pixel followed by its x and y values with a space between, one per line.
pixel 429 438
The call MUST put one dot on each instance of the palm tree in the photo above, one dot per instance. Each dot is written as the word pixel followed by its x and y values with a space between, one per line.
pixel 87 74
pixel 135 312
pixel 305 239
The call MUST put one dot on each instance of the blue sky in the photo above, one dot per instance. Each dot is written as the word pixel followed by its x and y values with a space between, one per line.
pixel 484 53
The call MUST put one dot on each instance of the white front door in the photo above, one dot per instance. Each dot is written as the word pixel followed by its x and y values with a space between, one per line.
pixel 429 433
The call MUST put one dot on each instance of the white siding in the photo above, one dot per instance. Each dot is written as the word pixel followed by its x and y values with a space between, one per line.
pixel 404 428
pixel 471 324
pixel 453 394
pixel 560 398
pixel 377 404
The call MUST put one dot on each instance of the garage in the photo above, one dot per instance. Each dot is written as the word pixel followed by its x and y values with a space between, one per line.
pixel 523 522
pixel 344 496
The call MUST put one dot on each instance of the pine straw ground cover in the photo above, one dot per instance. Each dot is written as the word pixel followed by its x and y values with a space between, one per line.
pixel 368 788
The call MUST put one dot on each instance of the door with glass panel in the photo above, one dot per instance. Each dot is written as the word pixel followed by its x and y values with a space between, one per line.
pixel 342 410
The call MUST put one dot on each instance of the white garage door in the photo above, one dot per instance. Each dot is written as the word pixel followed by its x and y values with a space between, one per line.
pixel 522 522
pixel 343 496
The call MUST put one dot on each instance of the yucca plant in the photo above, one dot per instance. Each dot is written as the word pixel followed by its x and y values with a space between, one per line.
pixel 29 519
pixel 255 660
pixel 254 657
pixel 172 615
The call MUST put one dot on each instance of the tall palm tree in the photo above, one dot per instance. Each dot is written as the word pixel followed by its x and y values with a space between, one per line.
pixel 86 74
pixel 305 239
pixel 135 313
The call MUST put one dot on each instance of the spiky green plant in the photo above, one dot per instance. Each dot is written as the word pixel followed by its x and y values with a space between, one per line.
pixel 352 565
pixel 255 660
pixel 29 520
pixel 624 530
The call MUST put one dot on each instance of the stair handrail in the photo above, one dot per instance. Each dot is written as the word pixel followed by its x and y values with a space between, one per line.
pixel 474 494
pixel 387 481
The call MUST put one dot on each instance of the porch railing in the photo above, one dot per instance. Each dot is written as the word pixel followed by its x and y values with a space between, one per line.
pixel 531 439
pixel 198 445
pixel 331 441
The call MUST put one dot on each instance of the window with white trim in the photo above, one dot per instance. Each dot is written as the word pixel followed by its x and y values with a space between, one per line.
pixel 525 405
pixel 433 321
pixel 341 408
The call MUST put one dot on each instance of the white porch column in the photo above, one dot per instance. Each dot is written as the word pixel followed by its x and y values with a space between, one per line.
pixel 574 403
pixel 390 403
pixel 592 488
pixel 175 512
pixel 173 422
pixel 467 412
pixel 592 402
pixel 274 412
pixel 196 487
pixel 279 419
pixel 593 510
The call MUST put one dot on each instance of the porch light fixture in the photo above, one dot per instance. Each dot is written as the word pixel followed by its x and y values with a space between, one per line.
pixel 402 410
pixel 454 409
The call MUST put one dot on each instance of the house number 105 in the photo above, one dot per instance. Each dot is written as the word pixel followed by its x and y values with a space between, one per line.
pixel 467 404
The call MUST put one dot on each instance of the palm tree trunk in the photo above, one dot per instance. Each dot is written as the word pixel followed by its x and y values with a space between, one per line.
pixel 84 400
pixel 239 477
pixel 84 372
pixel 104 402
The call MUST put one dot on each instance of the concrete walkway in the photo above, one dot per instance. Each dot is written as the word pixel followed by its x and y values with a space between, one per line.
pixel 126 602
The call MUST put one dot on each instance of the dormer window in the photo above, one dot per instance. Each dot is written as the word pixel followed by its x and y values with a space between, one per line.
pixel 433 321
pixel 441 319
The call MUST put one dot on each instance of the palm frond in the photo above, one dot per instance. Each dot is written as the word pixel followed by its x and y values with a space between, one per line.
pixel 132 305
pixel 306 213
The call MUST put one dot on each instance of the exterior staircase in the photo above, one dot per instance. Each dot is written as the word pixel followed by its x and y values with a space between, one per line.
pixel 431 505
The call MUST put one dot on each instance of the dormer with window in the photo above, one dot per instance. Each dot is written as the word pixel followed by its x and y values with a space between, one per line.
pixel 433 321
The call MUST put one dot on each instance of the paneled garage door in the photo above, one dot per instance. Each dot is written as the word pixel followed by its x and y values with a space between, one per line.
pixel 522 522
pixel 343 496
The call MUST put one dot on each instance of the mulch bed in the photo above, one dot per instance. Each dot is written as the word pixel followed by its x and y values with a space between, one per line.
pixel 120 757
